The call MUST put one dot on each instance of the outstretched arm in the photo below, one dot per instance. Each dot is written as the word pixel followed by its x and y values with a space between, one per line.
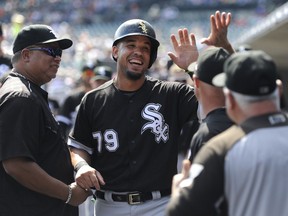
pixel 186 51
pixel 219 31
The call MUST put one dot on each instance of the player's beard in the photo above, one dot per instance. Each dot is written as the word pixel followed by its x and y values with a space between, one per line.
pixel 133 76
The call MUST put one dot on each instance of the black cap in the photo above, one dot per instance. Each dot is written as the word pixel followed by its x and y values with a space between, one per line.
pixel 250 73
pixel 102 73
pixel 38 34
pixel 210 63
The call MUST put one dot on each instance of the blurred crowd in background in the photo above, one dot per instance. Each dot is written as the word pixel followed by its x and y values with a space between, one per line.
pixel 91 25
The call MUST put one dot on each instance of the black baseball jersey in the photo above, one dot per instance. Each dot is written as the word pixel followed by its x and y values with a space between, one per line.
pixel 215 122
pixel 28 129
pixel 132 136
pixel 67 112
pixel 246 166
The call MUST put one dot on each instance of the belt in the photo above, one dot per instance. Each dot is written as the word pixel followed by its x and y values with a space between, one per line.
pixel 132 198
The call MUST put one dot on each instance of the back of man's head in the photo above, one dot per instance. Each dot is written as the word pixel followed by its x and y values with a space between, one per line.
pixel 250 85
pixel 251 73
pixel 209 64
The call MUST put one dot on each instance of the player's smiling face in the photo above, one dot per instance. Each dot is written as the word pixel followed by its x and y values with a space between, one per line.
pixel 133 55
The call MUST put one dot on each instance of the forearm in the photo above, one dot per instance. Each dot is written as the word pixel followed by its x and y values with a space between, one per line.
pixel 229 48
pixel 78 155
pixel 86 176
pixel 32 176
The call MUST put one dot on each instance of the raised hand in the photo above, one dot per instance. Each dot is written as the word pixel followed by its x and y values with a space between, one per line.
pixel 219 31
pixel 186 51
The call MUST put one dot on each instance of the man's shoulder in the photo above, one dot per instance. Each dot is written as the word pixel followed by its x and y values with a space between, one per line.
pixel 220 145
pixel 14 88
pixel 166 84
pixel 102 89
pixel 14 85
pixel 218 120
pixel 225 140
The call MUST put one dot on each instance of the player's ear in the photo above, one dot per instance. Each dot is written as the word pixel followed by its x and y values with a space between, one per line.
pixel 195 81
pixel 115 52
pixel 25 54
pixel 230 100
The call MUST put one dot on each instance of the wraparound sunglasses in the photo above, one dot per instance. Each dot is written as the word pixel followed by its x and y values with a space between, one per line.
pixel 49 51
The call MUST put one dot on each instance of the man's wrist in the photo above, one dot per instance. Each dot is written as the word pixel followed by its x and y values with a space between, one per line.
pixel 190 73
pixel 69 194
pixel 79 165
pixel 228 47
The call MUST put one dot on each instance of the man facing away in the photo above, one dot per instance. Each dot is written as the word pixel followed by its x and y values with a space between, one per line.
pixel 246 166
pixel 210 97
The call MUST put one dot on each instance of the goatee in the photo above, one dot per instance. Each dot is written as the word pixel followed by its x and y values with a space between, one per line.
pixel 133 76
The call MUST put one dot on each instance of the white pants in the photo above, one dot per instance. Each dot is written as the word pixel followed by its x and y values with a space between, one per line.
pixel 108 207
pixel 87 208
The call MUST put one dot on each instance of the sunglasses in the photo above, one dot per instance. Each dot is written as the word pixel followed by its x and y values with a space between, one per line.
pixel 48 50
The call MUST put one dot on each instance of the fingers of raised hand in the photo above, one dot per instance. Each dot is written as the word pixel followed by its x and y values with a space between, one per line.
pixel 174 41
pixel 193 39
pixel 186 36
pixel 181 36
pixel 228 19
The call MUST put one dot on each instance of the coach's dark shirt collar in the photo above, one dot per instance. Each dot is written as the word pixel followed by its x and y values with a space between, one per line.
pixel 265 120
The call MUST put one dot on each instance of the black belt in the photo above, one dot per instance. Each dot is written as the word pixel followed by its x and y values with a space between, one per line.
pixel 132 198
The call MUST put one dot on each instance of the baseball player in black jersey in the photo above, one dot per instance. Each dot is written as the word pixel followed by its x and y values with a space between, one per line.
pixel 124 142
pixel 246 166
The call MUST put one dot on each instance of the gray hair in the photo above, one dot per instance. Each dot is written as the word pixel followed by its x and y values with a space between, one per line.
pixel 15 58
pixel 246 100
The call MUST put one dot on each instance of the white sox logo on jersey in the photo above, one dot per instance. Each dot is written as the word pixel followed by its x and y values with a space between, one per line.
pixel 156 122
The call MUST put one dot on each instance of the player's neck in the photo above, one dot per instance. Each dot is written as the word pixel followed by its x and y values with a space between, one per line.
pixel 128 85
